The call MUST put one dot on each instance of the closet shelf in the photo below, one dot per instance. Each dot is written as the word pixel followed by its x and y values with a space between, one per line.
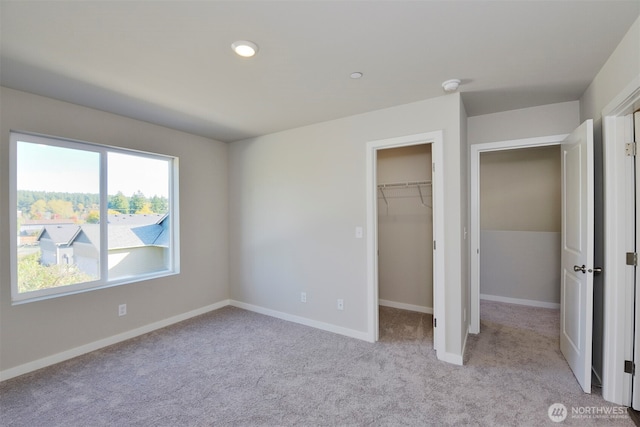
pixel 400 189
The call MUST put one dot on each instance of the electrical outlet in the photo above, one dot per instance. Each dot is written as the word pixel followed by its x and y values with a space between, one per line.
pixel 122 309
pixel 340 304
pixel 303 297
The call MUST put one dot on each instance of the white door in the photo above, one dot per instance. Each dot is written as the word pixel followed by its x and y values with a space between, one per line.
pixel 576 309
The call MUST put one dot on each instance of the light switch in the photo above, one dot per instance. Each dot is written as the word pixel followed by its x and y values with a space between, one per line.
pixel 358 232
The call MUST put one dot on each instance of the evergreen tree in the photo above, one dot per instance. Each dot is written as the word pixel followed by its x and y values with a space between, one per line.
pixel 137 202
pixel 159 204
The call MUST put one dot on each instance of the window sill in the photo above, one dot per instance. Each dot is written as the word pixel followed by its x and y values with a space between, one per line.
pixel 24 299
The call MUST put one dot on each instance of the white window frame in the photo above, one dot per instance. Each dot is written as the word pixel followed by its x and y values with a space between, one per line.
pixel 103 282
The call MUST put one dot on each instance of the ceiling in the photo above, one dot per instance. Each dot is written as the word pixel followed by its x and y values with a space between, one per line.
pixel 171 63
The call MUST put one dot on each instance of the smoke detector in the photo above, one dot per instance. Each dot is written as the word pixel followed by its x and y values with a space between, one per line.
pixel 451 85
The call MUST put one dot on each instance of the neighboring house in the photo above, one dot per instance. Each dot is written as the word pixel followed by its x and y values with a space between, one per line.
pixel 30 229
pixel 137 244
pixel 138 250
pixel 86 250
pixel 56 243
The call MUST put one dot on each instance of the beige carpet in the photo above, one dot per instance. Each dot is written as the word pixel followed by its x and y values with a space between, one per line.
pixel 236 368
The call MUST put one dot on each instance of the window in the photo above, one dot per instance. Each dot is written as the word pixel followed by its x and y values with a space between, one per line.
pixel 89 216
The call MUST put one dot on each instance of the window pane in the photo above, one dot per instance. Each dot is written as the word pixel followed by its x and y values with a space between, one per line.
pixel 57 202
pixel 88 216
pixel 138 226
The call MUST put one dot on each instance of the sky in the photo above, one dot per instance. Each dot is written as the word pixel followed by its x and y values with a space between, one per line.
pixel 57 169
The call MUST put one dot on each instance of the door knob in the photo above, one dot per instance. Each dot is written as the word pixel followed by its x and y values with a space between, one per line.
pixel 578 268
pixel 583 268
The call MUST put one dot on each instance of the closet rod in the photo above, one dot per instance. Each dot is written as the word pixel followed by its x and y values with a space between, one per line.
pixel 404 184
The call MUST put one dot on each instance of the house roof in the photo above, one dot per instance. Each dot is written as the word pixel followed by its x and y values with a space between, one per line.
pixel 130 231
pixel 508 54
pixel 131 237
pixel 136 219
pixel 147 230
pixel 59 234
pixel 43 222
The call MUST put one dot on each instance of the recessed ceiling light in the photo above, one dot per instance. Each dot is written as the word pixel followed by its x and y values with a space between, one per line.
pixel 244 48
pixel 356 75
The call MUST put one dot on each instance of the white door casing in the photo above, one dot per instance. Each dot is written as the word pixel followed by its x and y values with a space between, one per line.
pixel 576 293
pixel 633 165
pixel 618 324
pixel 437 152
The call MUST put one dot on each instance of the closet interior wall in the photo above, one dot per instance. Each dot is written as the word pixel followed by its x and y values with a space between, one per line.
pixel 405 228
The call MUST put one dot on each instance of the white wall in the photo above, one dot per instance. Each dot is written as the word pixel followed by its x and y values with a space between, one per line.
pixel 520 189
pixel 296 197
pixel 545 120
pixel 37 330
pixel 620 69
pixel 405 228
pixel 520 266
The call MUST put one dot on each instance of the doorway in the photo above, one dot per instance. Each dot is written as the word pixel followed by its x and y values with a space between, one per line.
pixel 577 236
pixel 435 141
pixel 520 211
pixel 405 228
pixel 475 226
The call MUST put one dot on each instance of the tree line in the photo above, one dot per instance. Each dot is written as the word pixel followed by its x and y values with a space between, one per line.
pixel 26 198
pixel 84 207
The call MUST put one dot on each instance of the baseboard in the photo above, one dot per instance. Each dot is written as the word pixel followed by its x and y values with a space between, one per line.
pixel 303 321
pixel 96 345
pixel 452 358
pixel 529 302
pixel 403 306
pixel 456 359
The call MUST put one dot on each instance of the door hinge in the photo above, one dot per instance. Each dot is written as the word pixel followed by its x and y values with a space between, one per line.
pixel 630 149
pixel 629 367
pixel 435 322
pixel 434 245
pixel 632 258
pixel 433 167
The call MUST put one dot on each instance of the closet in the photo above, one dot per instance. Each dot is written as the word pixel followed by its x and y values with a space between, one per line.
pixel 405 228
